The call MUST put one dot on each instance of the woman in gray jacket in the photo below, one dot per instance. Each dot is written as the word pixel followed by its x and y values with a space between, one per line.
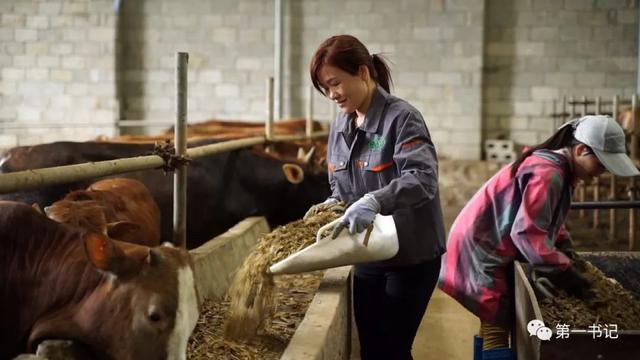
pixel 381 160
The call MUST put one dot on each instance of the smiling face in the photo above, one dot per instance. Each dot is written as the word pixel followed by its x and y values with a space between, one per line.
pixel 586 163
pixel 350 92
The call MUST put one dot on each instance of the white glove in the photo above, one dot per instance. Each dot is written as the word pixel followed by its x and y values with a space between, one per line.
pixel 358 216
pixel 320 207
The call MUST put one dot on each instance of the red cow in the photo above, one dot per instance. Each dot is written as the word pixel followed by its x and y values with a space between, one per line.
pixel 118 300
pixel 120 208
pixel 625 119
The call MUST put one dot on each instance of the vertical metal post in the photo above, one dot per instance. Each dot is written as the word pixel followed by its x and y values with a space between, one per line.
pixel 572 104
pixel 613 226
pixel 309 122
pixel 596 181
pixel 614 107
pixel 632 181
pixel 278 56
pixel 632 214
pixel 555 116
pixel 634 128
pixel 180 176
pixel 268 126
pixel 612 212
pixel 564 108
pixel 596 197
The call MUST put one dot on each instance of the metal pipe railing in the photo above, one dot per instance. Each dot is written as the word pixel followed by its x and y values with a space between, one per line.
pixel 33 179
pixel 621 204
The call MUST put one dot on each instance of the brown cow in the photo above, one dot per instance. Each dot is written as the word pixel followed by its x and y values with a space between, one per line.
pixel 120 208
pixel 626 117
pixel 119 300
pixel 246 128
pixel 220 130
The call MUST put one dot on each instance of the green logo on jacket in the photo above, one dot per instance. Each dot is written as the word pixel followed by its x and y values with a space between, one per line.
pixel 377 143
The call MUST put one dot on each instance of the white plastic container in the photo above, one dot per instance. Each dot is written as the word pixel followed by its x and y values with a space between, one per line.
pixel 379 242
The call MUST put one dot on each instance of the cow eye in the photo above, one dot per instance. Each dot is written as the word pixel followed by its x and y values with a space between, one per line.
pixel 154 316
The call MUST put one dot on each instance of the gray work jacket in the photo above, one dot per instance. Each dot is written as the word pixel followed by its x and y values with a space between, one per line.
pixel 393 158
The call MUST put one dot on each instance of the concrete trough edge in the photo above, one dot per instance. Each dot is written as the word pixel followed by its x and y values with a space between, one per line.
pixel 216 261
pixel 325 331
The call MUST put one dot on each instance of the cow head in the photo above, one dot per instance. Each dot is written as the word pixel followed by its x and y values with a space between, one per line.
pixel 146 307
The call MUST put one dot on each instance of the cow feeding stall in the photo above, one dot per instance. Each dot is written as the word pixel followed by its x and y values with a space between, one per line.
pixel 605 327
pixel 58 175
pixel 261 312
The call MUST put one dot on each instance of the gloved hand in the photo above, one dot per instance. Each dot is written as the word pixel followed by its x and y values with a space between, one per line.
pixel 566 248
pixel 321 207
pixel 573 282
pixel 358 216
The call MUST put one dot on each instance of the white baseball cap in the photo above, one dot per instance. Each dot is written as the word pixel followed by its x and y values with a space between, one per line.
pixel 607 140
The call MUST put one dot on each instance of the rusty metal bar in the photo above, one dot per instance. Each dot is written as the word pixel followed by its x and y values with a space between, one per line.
pixel 33 179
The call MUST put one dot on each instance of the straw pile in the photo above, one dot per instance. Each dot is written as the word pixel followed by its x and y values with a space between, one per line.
pixel 611 304
pixel 252 290
pixel 293 295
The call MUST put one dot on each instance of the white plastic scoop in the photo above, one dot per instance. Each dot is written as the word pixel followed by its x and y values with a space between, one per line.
pixel 379 242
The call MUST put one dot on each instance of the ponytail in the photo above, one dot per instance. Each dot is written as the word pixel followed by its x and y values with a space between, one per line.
pixel 381 74
pixel 562 138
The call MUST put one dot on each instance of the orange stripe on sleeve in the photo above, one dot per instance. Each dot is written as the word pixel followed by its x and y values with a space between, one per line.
pixel 411 143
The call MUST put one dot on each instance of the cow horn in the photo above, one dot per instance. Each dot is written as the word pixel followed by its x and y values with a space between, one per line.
pixel 154 257
pixel 309 155
pixel 37 208
pixel 301 154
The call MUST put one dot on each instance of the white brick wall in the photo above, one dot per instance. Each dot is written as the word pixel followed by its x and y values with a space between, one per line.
pixel 58 59
pixel 46 73
pixel 539 51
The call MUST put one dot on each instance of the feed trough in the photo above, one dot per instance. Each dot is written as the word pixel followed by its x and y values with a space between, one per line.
pixel 600 340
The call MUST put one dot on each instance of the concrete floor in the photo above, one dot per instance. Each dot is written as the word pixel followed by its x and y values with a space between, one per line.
pixel 447 329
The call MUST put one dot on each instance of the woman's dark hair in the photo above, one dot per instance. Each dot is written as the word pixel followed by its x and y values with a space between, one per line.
pixel 347 53
pixel 561 138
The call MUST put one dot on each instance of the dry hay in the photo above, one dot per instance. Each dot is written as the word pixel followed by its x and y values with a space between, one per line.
pixel 261 312
pixel 611 304
pixel 293 295
pixel 252 290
